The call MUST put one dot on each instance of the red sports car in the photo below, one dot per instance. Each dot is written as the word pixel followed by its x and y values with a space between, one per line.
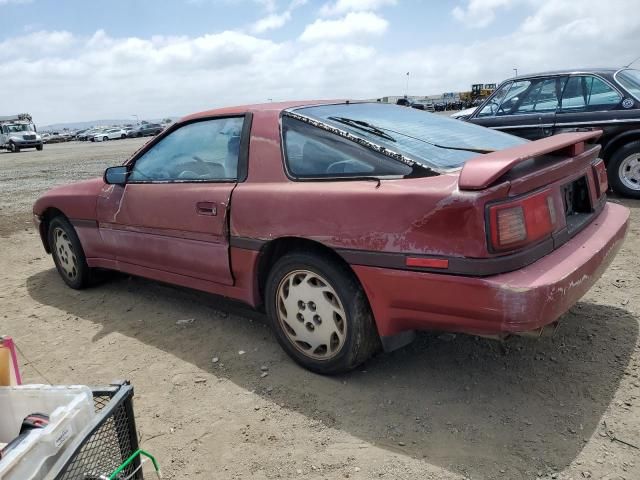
pixel 352 224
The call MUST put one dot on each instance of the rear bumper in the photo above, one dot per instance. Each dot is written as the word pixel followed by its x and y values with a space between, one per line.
pixel 518 301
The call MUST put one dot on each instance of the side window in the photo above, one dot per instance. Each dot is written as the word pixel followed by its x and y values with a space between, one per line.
pixel 311 152
pixel 584 93
pixel 513 97
pixel 489 110
pixel 542 97
pixel 505 99
pixel 202 151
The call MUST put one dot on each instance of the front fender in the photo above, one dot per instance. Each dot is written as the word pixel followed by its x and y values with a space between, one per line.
pixel 75 201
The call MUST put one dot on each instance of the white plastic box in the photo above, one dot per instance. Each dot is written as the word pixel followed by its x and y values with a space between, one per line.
pixel 70 409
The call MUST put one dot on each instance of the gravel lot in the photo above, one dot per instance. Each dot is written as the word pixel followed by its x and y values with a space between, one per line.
pixel 446 407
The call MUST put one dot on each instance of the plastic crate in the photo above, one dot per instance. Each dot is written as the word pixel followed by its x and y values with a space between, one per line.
pixel 70 410
pixel 106 443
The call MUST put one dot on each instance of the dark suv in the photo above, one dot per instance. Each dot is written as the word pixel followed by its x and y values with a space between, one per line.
pixel 145 130
pixel 543 104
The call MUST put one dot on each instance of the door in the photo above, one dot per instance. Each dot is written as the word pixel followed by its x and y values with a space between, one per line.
pixel 588 101
pixel 172 214
pixel 526 108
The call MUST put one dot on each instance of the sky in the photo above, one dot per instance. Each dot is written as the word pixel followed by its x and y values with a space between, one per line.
pixel 75 60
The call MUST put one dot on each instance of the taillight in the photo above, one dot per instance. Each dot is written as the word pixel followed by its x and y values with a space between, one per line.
pixel 523 221
pixel 602 182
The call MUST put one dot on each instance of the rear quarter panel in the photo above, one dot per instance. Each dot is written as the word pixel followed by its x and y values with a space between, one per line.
pixel 423 215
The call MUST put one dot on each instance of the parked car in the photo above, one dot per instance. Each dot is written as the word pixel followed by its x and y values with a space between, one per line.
pixel 54 137
pixel 87 134
pixel 536 106
pixel 464 114
pixel 353 224
pixel 145 130
pixel 109 134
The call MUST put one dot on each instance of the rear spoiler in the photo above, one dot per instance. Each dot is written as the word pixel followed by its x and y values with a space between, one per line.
pixel 481 171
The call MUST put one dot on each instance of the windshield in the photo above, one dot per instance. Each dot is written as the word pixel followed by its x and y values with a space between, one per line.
pixel 432 140
pixel 21 127
pixel 630 79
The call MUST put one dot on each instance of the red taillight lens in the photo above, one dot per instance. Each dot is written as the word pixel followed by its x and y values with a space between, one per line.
pixel 522 221
pixel 602 182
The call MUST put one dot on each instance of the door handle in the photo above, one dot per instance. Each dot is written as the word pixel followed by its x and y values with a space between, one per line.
pixel 206 208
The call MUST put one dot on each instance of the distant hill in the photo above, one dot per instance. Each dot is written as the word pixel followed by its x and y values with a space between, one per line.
pixel 95 123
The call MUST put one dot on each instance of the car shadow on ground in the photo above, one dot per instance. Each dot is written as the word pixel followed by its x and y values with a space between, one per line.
pixel 459 403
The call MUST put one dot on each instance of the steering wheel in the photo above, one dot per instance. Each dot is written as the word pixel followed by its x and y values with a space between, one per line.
pixel 334 167
pixel 189 174
pixel 182 162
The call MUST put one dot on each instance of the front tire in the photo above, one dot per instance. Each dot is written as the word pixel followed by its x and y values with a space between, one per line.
pixel 623 170
pixel 105 139
pixel 68 254
pixel 13 148
pixel 320 313
pixel 39 148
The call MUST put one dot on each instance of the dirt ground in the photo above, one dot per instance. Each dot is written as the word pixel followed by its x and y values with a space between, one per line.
pixel 446 407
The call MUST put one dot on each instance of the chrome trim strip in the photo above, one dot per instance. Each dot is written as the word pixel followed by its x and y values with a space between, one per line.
pixel 568 124
pixel 614 121
pixel 537 125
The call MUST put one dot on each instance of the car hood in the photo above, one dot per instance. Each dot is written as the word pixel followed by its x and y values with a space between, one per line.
pixel 467 112
pixel 76 200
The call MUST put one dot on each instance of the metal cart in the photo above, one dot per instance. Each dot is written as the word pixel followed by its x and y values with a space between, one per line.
pixel 108 447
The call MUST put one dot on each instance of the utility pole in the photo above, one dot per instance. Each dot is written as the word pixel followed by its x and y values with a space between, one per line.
pixel 406 92
pixel 515 70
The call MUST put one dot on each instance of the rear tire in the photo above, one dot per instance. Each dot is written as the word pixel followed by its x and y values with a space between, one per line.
pixel 68 254
pixel 320 313
pixel 623 170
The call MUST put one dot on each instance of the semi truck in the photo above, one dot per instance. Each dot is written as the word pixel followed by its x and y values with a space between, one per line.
pixel 18 132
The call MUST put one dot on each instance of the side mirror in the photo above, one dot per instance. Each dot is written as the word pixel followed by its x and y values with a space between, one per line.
pixel 116 175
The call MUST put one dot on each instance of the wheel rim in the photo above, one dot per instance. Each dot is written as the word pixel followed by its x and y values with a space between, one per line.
pixel 629 171
pixel 311 314
pixel 65 254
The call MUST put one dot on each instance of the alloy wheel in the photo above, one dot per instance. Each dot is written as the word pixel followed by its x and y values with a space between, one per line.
pixel 629 171
pixel 65 253
pixel 311 314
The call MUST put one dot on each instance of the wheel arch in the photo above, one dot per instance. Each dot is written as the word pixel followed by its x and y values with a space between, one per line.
pixel 275 249
pixel 618 141
pixel 45 219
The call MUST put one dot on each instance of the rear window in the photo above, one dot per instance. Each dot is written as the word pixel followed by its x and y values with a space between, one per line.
pixel 630 79
pixel 431 140
pixel 315 153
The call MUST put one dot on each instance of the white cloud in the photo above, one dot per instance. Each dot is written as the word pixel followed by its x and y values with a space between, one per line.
pixel 274 21
pixel 352 25
pixel 340 7
pixel 479 13
pixel 271 22
pixel 67 77
pixel 36 44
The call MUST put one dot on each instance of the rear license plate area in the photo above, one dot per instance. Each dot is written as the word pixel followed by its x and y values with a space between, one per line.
pixel 577 204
